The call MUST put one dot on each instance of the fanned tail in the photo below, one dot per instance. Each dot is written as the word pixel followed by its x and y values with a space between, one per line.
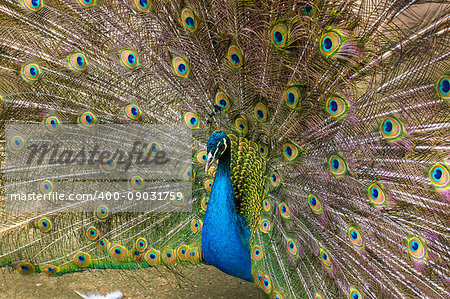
pixel 337 111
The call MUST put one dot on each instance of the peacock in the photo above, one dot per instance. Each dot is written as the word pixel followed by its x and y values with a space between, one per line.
pixel 319 151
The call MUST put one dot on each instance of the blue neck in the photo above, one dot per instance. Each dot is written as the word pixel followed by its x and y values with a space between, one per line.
pixel 225 234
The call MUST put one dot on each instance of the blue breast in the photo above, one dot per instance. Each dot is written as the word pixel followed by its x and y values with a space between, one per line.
pixel 225 235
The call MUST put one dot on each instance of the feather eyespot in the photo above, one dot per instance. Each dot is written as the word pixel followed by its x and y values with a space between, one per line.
pixel 45 187
pixel 263 150
pixel 180 67
pixel 222 100
pixel 336 106
pixel 317 296
pixel 292 97
pixel 439 176
pixel 235 56
pixel 355 294
pixel 82 259
pixel 201 157
pixel 276 295
pixel 25 268
pixel 179 199
pixel 137 182
pixel 292 247
pixel 257 277
pixel 279 35
pixel 241 125
pixel 108 164
pixel 443 87
pixel 52 123
pixel 260 112
pixel 204 204
pixel 307 8
pixel 208 185
pixel 44 224
pixel 377 195
pixel 330 43
pixel 169 256
pixel 191 120
pixel 153 257
pixel 103 244
pixel 196 225
pixel 86 119
pixel 315 204
pixel 266 284
pixel 290 151
pixel 129 58
pixel 92 233
pixel 33 5
pixel 266 205
pixel 153 148
pixel 188 174
pixel 284 210
pixel 16 143
pixel 189 19
pixel 136 255
pixel 326 259
pixel 30 72
pixel 132 111
pixel 338 167
pixel 142 5
pixel 391 128
pixel 356 237
pixel 77 61
pixel 182 250
pixel 264 225
pixel 102 212
pixel 50 269
pixel 275 179
pixel 118 252
pixel 87 3
pixel 417 249
pixel 193 254
pixel 257 253
pixel 141 244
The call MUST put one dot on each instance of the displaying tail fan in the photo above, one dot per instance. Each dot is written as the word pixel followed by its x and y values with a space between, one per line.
pixel 329 122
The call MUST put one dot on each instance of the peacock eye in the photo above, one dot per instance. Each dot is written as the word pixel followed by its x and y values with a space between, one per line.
pixel 77 61
pixel 330 43
pixel 129 58
pixel 189 20
pixel 142 5
pixel 87 3
pixel 30 72
pixel 235 56
pixel 180 67
pixel 33 5
pixel 221 147
pixel 279 35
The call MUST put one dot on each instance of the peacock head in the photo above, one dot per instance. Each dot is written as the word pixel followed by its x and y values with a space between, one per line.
pixel 218 145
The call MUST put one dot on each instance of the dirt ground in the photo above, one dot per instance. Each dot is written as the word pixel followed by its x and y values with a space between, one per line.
pixel 190 282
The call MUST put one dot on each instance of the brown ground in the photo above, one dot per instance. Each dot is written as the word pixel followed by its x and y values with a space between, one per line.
pixel 192 282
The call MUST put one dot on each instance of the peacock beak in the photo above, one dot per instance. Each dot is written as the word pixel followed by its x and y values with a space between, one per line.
pixel 210 160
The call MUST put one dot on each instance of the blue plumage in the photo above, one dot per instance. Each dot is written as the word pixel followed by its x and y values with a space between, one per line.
pixel 225 234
